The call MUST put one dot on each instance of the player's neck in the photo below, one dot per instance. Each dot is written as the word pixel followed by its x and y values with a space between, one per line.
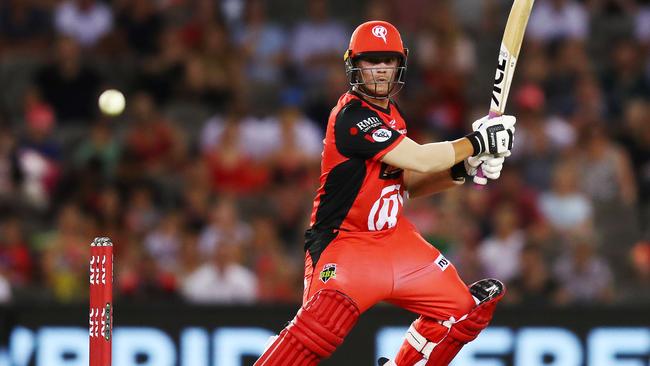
pixel 379 102
pixel 383 103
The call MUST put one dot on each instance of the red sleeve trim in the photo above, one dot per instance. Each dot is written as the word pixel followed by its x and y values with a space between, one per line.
pixel 389 148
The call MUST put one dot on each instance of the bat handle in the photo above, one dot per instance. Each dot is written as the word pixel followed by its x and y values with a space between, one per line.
pixel 479 179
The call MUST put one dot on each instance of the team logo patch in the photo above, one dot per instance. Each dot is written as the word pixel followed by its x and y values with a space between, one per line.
pixel 380 31
pixel 328 272
pixel 381 135
pixel 442 262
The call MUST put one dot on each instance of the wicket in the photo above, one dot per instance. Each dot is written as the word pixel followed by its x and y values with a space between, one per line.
pixel 101 301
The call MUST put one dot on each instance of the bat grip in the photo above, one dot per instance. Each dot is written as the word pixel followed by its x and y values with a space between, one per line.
pixel 479 179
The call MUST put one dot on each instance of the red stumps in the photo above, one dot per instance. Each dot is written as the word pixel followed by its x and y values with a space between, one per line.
pixel 101 301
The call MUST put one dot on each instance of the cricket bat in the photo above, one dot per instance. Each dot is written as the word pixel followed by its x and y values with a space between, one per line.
pixel 513 35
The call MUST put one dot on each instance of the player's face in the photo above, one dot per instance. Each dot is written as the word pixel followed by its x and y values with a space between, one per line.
pixel 378 73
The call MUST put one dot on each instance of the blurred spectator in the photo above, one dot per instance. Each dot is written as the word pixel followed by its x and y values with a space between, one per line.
pixel 568 69
pixel 500 253
pixel 38 155
pixel 642 24
pixel 64 255
pixel 141 213
pixel 190 258
pixel 276 275
pixel 224 227
pixel 446 57
pixel 5 287
pixel 68 84
pixel 291 211
pixel 40 124
pixel 589 102
pixel 153 145
pixel 231 166
pixel 636 287
pixel 142 279
pixel 196 205
pixel 212 76
pixel 625 77
pixel 512 190
pixel 636 140
pixel 22 22
pixel 585 276
pixel 565 206
pixel 443 41
pixel 162 73
pixel 100 151
pixel 141 23
pixel 605 169
pixel 199 18
pixel 7 163
pixel 221 280
pixel 295 145
pixel 163 244
pixel 87 21
pixel 108 211
pixel 263 46
pixel 15 255
pixel 535 285
pixel 316 42
pixel 539 140
pixel 607 178
pixel 558 19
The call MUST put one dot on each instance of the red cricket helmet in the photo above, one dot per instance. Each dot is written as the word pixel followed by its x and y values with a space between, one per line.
pixel 375 38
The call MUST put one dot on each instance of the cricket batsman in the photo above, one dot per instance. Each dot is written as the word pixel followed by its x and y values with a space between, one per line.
pixel 360 250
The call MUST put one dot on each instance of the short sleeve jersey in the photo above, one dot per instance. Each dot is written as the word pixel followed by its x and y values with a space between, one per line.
pixel 357 191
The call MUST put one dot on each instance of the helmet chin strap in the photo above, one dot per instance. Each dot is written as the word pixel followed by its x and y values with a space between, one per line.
pixel 362 89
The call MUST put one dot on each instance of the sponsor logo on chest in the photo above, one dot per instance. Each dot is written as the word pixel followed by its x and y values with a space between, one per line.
pixel 369 123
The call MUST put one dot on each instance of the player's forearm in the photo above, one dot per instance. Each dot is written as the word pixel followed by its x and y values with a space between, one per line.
pixel 419 184
pixel 428 158
pixel 461 148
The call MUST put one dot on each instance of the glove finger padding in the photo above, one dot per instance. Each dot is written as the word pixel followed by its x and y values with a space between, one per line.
pixel 492 167
pixel 494 161
pixel 492 176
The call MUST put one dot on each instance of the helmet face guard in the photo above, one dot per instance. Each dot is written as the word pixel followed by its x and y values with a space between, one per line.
pixel 368 88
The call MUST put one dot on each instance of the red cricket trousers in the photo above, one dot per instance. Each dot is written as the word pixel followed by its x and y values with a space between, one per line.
pixel 395 265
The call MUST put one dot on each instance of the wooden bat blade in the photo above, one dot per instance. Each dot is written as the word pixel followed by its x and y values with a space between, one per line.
pixel 516 25
pixel 513 36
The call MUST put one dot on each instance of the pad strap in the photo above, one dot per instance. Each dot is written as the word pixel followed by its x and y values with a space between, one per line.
pixel 420 343
pixel 488 293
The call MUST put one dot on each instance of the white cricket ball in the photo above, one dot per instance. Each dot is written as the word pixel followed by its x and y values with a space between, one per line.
pixel 112 102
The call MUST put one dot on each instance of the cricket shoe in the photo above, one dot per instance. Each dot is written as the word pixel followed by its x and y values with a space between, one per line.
pixel 485 290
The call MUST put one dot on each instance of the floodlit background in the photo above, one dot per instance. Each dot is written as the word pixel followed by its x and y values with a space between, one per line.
pixel 206 182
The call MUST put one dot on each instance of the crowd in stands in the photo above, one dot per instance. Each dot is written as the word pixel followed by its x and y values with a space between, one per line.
pixel 206 182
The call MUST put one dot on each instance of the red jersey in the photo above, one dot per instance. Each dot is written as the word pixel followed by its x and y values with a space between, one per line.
pixel 357 191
